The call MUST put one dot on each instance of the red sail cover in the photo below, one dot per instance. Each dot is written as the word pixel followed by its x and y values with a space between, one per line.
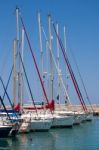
pixel 17 107
pixel 50 105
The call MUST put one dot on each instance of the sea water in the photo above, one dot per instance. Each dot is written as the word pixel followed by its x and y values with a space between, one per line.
pixel 80 137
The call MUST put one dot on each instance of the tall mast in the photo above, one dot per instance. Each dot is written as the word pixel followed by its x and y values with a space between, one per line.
pixel 58 96
pixel 22 44
pixel 14 72
pixel 17 24
pixel 18 49
pixel 65 47
pixel 57 47
pixel 50 46
pixel 47 70
pixel 40 41
pixel 22 83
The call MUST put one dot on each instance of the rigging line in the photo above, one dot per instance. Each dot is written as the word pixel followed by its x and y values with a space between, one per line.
pixel 28 83
pixel 5 61
pixel 5 90
pixel 81 79
pixel 8 84
pixel 55 64
pixel 9 81
pixel 71 72
pixel 7 96
pixel 74 80
pixel 80 94
pixel 34 61
pixel 75 83
pixel 42 84
pixel 5 109
pixel 26 88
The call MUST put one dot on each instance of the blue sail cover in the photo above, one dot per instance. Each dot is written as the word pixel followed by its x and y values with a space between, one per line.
pixel 8 110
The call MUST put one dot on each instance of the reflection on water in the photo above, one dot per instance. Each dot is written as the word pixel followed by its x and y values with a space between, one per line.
pixel 4 144
pixel 83 137
pixel 38 141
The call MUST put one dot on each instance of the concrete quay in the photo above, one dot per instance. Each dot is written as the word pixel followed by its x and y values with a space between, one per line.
pixel 78 108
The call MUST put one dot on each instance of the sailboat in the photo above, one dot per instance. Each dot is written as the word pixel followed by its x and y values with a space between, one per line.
pixel 31 121
pixel 18 72
pixel 7 125
pixel 85 113
pixel 36 122
pixel 58 120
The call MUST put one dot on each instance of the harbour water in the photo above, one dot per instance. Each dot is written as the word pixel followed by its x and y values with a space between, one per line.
pixel 80 137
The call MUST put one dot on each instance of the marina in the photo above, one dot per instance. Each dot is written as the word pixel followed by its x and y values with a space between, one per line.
pixel 47 100
pixel 49 114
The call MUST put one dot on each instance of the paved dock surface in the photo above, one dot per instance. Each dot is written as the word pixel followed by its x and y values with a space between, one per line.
pixel 95 108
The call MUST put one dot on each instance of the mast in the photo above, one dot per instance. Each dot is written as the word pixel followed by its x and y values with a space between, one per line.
pixel 17 23
pixel 41 49
pixel 47 69
pixel 40 41
pixel 58 96
pixel 65 47
pixel 51 64
pixel 14 72
pixel 18 50
pixel 22 80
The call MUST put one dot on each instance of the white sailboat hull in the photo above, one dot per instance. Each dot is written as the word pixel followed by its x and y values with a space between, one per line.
pixel 40 124
pixel 77 119
pixel 62 121
pixel 88 117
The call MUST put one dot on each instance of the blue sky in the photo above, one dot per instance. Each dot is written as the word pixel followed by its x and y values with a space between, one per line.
pixel 81 18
